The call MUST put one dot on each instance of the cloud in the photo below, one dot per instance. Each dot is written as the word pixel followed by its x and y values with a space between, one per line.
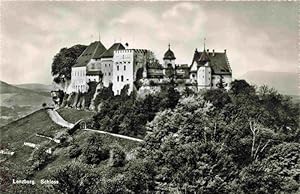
pixel 257 36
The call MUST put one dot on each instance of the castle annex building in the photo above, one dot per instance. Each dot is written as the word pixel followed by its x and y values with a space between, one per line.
pixel 121 66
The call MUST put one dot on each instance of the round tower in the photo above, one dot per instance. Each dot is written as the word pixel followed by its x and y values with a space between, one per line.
pixel 169 58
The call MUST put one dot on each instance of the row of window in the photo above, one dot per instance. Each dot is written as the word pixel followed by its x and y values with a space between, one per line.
pixel 109 74
pixel 79 73
pixel 81 87
pixel 118 68
pixel 128 62
pixel 122 78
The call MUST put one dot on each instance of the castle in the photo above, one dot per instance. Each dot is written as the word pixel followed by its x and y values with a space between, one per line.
pixel 121 66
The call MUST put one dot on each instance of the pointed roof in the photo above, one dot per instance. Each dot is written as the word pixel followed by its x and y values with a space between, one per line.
pixel 218 61
pixel 204 57
pixel 169 54
pixel 99 51
pixel 110 52
pixel 89 53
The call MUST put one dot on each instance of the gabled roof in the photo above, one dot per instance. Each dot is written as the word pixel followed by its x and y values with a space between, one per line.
pixel 217 60
pixel 110 52
pixel 99 51
pixel 92 50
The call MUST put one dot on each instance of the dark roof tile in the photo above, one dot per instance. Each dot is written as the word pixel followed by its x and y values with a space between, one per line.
pixel 110 52
pixel 89 53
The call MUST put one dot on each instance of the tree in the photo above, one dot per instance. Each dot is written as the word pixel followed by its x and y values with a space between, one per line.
pixel 241 87
pixel 74 151
pixel 139 176
pixel 274 174
pixel 63 62
pixel 118 156
pixel 40 157
pixel 172 97
pixel 74 178
pixel 94 151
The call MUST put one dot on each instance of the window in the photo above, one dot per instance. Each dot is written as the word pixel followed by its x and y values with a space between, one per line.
pixel 117 78
pixel 118 68
pixel 105 64
pixel 109 73
pixel 118 92
pixel 122 78
pixel 105 74
pixel 124 67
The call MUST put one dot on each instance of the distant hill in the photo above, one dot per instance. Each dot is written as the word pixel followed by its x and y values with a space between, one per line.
pixel 17 102
pixel 7 88
pixel 36 87
pixel 15 96
pixel 284 82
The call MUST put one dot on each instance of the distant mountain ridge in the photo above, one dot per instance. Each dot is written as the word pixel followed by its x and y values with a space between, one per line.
pixel 36 87
pixel 284 82
pixel 16 102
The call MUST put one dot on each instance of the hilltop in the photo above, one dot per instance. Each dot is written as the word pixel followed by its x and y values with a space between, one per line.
pixel 36 87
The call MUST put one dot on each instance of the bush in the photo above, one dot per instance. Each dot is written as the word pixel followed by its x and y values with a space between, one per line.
pixel 40 158
pixel 74 151
pixel 118 156
pixel 94 151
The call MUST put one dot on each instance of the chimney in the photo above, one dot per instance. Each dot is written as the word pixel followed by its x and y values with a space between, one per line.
pixel 213 54
pixel 225 51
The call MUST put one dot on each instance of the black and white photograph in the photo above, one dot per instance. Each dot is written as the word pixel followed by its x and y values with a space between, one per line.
pixel 149 97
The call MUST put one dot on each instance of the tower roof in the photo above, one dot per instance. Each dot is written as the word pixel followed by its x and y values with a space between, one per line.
pixel 204 57
pixel 110 52
pixel 169 54
pixel 218 61
pixel 94 49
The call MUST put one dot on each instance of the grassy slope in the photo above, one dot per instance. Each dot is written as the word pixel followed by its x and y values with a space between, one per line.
pixel 73 115
pixel 23 130
pixel 15 133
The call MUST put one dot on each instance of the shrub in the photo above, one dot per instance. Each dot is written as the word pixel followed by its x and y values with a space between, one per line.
pixel 118 156
pixel 74 151
pixel 94 151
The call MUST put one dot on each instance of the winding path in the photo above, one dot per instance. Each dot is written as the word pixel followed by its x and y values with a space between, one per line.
pixel 115 135
pixel 53 114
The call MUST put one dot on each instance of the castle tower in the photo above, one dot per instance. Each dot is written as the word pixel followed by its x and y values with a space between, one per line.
pixel 169 58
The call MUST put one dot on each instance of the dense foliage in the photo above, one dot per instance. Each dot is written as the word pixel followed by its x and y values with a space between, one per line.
pixel 64 60
pixel 245 140
pixel 127 115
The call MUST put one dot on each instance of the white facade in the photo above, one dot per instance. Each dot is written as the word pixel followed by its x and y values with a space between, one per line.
pixel 123 72
pixel 94 65
pixel 92 78
pixel 107 71
pixel 204 77
pixel 78 79
pixel 167 62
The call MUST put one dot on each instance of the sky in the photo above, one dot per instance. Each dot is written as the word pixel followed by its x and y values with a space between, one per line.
pixel 258 36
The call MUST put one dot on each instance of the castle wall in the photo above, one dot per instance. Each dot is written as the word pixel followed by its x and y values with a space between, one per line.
pixel 78 79
pixel 107 70
pixel 204 77
pixel 123 74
